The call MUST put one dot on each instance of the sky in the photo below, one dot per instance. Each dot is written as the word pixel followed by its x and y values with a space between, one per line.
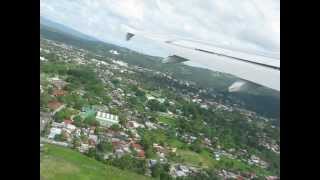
pixel 249 25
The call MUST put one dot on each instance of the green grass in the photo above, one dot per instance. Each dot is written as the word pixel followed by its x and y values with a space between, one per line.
pixel 167 120
pixel 175 143
pixel 202 159
pixel 58 163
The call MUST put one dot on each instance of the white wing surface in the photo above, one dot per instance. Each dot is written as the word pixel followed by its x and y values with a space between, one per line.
pixel 256 68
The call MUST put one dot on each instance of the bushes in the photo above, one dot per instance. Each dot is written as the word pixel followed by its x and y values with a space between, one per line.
pixel 104 147
pixel 63 114
pixel 130 163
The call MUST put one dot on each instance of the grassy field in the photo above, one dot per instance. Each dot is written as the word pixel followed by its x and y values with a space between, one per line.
pixel 168 120
pixel 175 143
pixel 58 163
pixel 202 159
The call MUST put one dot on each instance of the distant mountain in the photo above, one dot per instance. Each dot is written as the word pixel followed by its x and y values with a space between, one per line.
pixel 60 27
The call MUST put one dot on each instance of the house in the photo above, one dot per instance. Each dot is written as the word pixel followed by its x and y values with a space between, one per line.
pixel 57 125
pixel 45 118
pixel 41 89
pixel 114 52
pixel 173 150
pixel 152 162
pixel 83 148
pixel 134 124
pixel 53 132
pixel 58 83
pixel 106 119
pixel 69 126
pixel 67 121
pixel 179 171
pixel 93 139
pixel 107 156
pixel 119 153
pixel 136 146
pixel 54 105
pixel 150 97
pixel 150 125
pixel 141 154
pixel 272 178
pixel 183 168
pixel 58 92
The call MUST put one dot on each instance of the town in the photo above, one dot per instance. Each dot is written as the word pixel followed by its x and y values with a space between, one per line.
pixel 116 112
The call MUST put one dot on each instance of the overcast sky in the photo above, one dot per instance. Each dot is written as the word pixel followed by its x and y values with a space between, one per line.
pixel 251 25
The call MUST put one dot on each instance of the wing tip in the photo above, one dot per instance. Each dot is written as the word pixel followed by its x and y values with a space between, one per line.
pixel 129 36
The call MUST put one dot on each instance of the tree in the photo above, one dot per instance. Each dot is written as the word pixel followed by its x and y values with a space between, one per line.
pixel 115 82
pixel 196 146
pixel 149 152
pixel 156 170
pixel 91 121
pixel 44 99
pixel 115 127
pixel 63 114
pixel 59 137
pixel 130 163
pixel 123 119
pixel 155 105
pixel 77 118
pixel 98 130
pixel 104 147
pixel 92 152
pixel 165 176
pixel 76 142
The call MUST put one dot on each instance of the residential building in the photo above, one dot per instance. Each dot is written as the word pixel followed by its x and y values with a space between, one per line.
pixel 106 119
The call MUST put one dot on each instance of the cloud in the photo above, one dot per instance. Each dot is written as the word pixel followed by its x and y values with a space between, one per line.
pixel 250 25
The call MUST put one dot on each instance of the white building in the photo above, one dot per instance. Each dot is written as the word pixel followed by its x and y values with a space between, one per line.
pixel 54 132
pixel 93 137
pixel 70 127
pixel 106 119
pixel 114 52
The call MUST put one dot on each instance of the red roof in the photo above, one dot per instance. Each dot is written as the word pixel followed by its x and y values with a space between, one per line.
pixel 117 144
pixel 136 146
pixel 91 142
pixel 54 105
pixel 68 121
pixel 240 178
pixel 141 154
pixel 58 92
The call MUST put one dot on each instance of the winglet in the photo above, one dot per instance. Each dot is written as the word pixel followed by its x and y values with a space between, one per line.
pixel 174 59
pixel 129 36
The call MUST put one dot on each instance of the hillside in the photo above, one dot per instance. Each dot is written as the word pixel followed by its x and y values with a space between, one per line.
pixel 259 99
pixel 66 164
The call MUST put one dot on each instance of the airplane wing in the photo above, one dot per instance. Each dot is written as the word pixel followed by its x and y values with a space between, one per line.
pixel 257 68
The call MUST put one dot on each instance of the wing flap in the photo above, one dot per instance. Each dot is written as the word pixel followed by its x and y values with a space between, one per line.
pixel 174 59
pixel 259 69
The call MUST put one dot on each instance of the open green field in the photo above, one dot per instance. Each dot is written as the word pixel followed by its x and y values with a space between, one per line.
pixel 58 163
pixel 167 120
pixel 175 143
pixel 202 159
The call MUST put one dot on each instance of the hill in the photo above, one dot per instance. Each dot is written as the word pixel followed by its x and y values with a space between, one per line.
pixel 54 25
pixel 259 99
pixel 65 164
